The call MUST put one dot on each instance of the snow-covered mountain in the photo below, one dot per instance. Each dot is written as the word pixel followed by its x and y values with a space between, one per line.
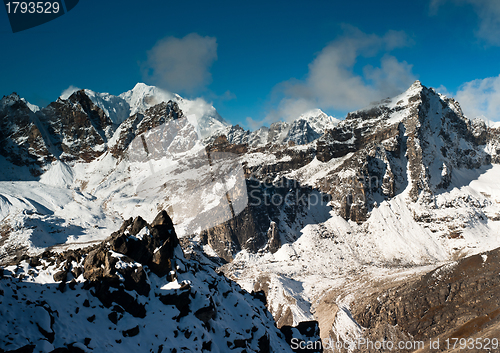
pixel 116 108
pixel 306 128
pixel 319 214
pixel 143 97
pixel 33 108
pixel 87 124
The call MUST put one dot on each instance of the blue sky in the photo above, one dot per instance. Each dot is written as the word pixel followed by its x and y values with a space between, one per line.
pixel 263 61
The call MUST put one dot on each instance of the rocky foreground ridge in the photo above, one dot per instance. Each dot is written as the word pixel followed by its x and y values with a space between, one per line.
pixel 136 291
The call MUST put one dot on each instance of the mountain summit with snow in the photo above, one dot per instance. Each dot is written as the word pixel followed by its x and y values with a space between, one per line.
pixel 84 124
pixel 306 128
pixel 142 97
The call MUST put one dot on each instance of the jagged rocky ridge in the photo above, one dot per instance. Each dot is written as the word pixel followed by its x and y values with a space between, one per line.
pixel 306 128
pixel 87 124
pixel 135 291
pixel 70 130
pixel 417 138
pixel 410 143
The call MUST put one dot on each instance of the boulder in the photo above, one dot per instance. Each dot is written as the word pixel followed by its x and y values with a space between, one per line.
pixel 141 245
pixel 131 332
pixel 154 247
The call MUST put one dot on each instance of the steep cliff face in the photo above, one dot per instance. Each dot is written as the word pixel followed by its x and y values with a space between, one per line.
pixel 410 143
pixel 275 213
pixel 22 142
pixel 77 129
pixel 440 139
pixel 141 122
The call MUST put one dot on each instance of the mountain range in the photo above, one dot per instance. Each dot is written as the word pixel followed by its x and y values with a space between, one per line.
pixel 360 228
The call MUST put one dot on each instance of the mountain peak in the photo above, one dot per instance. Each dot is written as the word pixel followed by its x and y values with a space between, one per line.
pixel 142 89
pixel 312 113
pixel 416 84
pixel 415 88
pixel 13 95
pixel 142 97
pixel 10 99
pixel 141 85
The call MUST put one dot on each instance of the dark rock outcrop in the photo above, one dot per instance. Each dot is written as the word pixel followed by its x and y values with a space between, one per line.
pixel 268 202
pixel 304 337
pixel 155 245
pixel 141 245
pixel 274 238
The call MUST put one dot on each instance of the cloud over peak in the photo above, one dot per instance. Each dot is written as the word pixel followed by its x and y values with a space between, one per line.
pixel 181 65
pixel 68 92
pixel 481 98
pixel 332 82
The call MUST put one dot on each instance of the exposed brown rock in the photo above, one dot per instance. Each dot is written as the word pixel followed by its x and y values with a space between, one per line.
pixel 155 249
pixel 453 301
pixel 76 126
pixel 220 144
pixel 141 245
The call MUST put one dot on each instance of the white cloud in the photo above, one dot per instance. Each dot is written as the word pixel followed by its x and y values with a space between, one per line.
pixel 392 76
pixel 254 124
pixel 480 98
pixel 68 92
pixel 181 65
pixel 331 82
pixel 289 109
pixel 488 12
pixel 443 90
